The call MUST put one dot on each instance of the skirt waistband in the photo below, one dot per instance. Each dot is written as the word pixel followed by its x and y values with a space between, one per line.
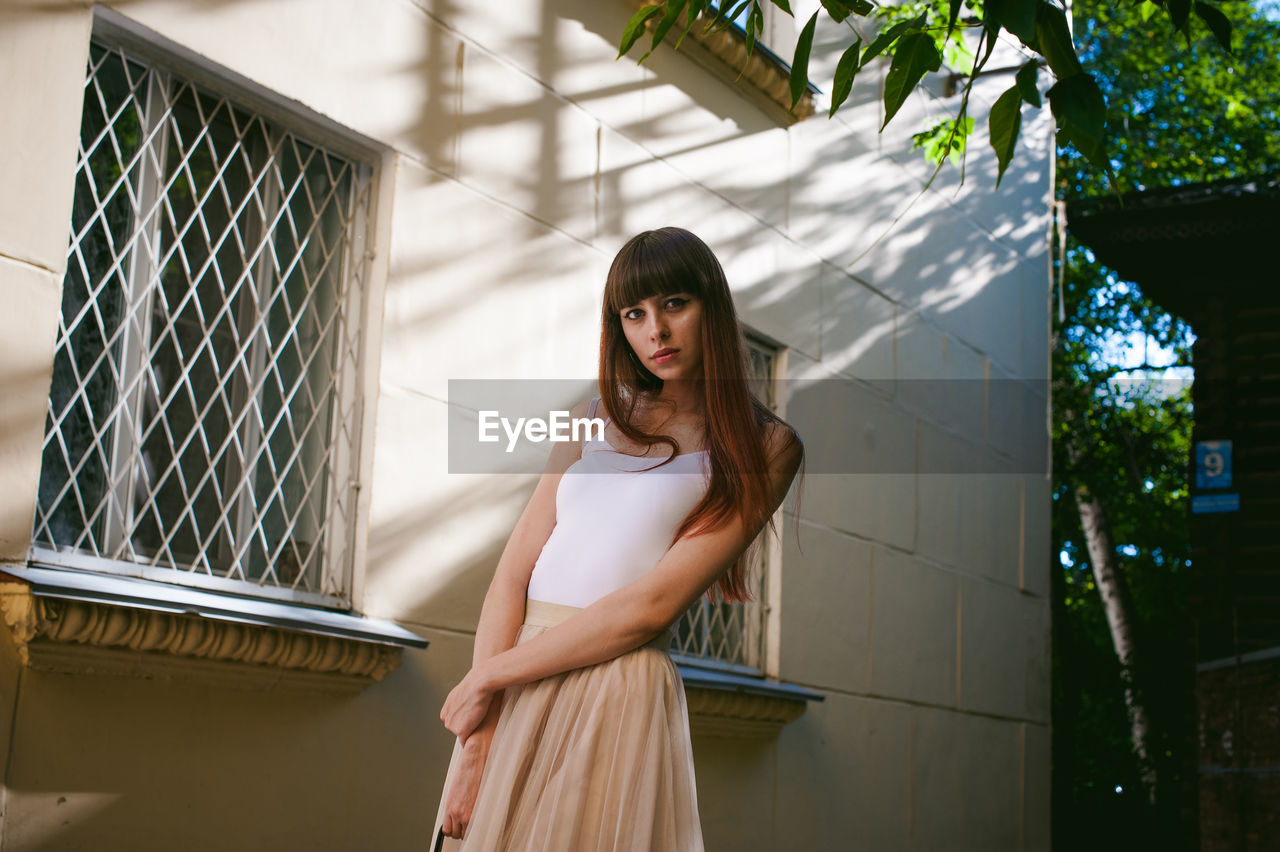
pixel 547 614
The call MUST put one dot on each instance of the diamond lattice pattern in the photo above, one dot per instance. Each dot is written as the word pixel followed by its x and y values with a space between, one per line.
pixel 726 632
pixel 202 413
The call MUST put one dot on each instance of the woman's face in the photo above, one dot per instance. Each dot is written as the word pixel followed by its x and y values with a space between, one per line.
pixel 665 332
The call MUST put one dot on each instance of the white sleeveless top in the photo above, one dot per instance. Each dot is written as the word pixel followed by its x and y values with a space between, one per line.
pixel 614 520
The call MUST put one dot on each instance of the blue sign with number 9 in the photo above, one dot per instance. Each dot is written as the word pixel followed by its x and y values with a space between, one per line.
pixel 1213 464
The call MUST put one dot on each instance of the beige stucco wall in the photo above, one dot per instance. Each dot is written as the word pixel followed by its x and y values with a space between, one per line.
pixel 518 156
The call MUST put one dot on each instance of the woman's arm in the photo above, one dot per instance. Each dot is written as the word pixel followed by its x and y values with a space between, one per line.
pixel 503 610
pixel 501 616
pixel 624 619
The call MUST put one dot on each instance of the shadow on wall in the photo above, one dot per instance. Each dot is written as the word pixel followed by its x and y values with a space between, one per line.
pixel 937 267
pixel 924 264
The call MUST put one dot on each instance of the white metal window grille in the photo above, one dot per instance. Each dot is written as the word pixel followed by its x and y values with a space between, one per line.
pixel 203 415
pixel 732 635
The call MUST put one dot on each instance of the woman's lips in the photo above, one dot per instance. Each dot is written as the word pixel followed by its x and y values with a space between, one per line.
pixel 662 356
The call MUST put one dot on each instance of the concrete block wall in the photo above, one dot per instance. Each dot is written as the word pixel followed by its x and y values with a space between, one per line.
pixel 516 156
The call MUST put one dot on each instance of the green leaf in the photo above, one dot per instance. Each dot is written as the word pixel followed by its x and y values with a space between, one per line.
pixel 784 6
pixel 1217 23
pixel 991 38
pixel 635 28
pixel 691 13
pixel 1053 39
pixel 916 54
pixel 957 56
pixel 1026 81
pixel 1005 122
pixel 1081 113
pixel 846 70
pixel 1179 10
pixel 840 9
pixel 674 8
pixel 1016 16
pixel 755 25
pixel 800 64
pixel 1238 110
pixel 726 14
pixel 1149 8
pixel 886 38
pixel 944 141
pixel 952 13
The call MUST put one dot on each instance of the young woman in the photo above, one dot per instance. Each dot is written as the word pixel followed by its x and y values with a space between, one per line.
pixel 572 727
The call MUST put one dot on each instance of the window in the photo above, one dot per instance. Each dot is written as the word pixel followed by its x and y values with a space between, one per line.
pixel 732 635
pixel 204 411
pixel 764 75
pixel 776 30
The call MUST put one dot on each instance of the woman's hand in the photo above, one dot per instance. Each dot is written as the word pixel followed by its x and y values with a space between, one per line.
pixel 461 798
pixel 468 703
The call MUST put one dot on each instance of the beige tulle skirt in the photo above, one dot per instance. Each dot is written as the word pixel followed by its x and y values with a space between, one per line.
pixel 596 759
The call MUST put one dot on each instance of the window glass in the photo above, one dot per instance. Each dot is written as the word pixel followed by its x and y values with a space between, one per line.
pixel 202 413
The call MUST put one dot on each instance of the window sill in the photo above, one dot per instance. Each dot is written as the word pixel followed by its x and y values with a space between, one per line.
pixel 78 622
pixel 763 77
pixel 725 704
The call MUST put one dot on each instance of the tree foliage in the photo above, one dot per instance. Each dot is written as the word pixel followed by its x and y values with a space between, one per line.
pixel 1187 115
pixel 1133 436
pixel 918 37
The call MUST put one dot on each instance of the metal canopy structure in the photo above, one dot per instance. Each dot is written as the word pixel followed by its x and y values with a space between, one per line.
pixel 1184 243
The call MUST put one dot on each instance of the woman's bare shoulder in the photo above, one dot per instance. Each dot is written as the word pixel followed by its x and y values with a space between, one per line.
pixel 565 453
pixel 781 439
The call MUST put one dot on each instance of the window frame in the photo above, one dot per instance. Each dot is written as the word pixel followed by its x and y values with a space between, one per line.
pixel 764 621
pixel 338 576
pixel 763 76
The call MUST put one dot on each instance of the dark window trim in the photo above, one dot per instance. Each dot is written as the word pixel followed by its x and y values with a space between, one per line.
pixel 70 584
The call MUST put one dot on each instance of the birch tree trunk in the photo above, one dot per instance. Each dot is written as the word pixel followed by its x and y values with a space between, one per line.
pixel 1116 604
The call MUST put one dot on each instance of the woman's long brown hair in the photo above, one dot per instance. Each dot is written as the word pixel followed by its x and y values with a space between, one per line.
pixel 673 260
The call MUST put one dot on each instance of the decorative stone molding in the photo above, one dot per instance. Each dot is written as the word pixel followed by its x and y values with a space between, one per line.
pixel 762 76
pixel 76 636
pixel 724 713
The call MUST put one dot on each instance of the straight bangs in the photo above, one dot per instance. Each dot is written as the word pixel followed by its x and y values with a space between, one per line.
pixel 653 267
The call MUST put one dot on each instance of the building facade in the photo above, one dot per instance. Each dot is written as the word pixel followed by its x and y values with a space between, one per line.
pixel 250 253
pixel 1171 240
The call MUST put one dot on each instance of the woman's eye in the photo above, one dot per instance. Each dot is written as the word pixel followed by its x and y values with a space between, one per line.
pixel 677 302
pixel 629 315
